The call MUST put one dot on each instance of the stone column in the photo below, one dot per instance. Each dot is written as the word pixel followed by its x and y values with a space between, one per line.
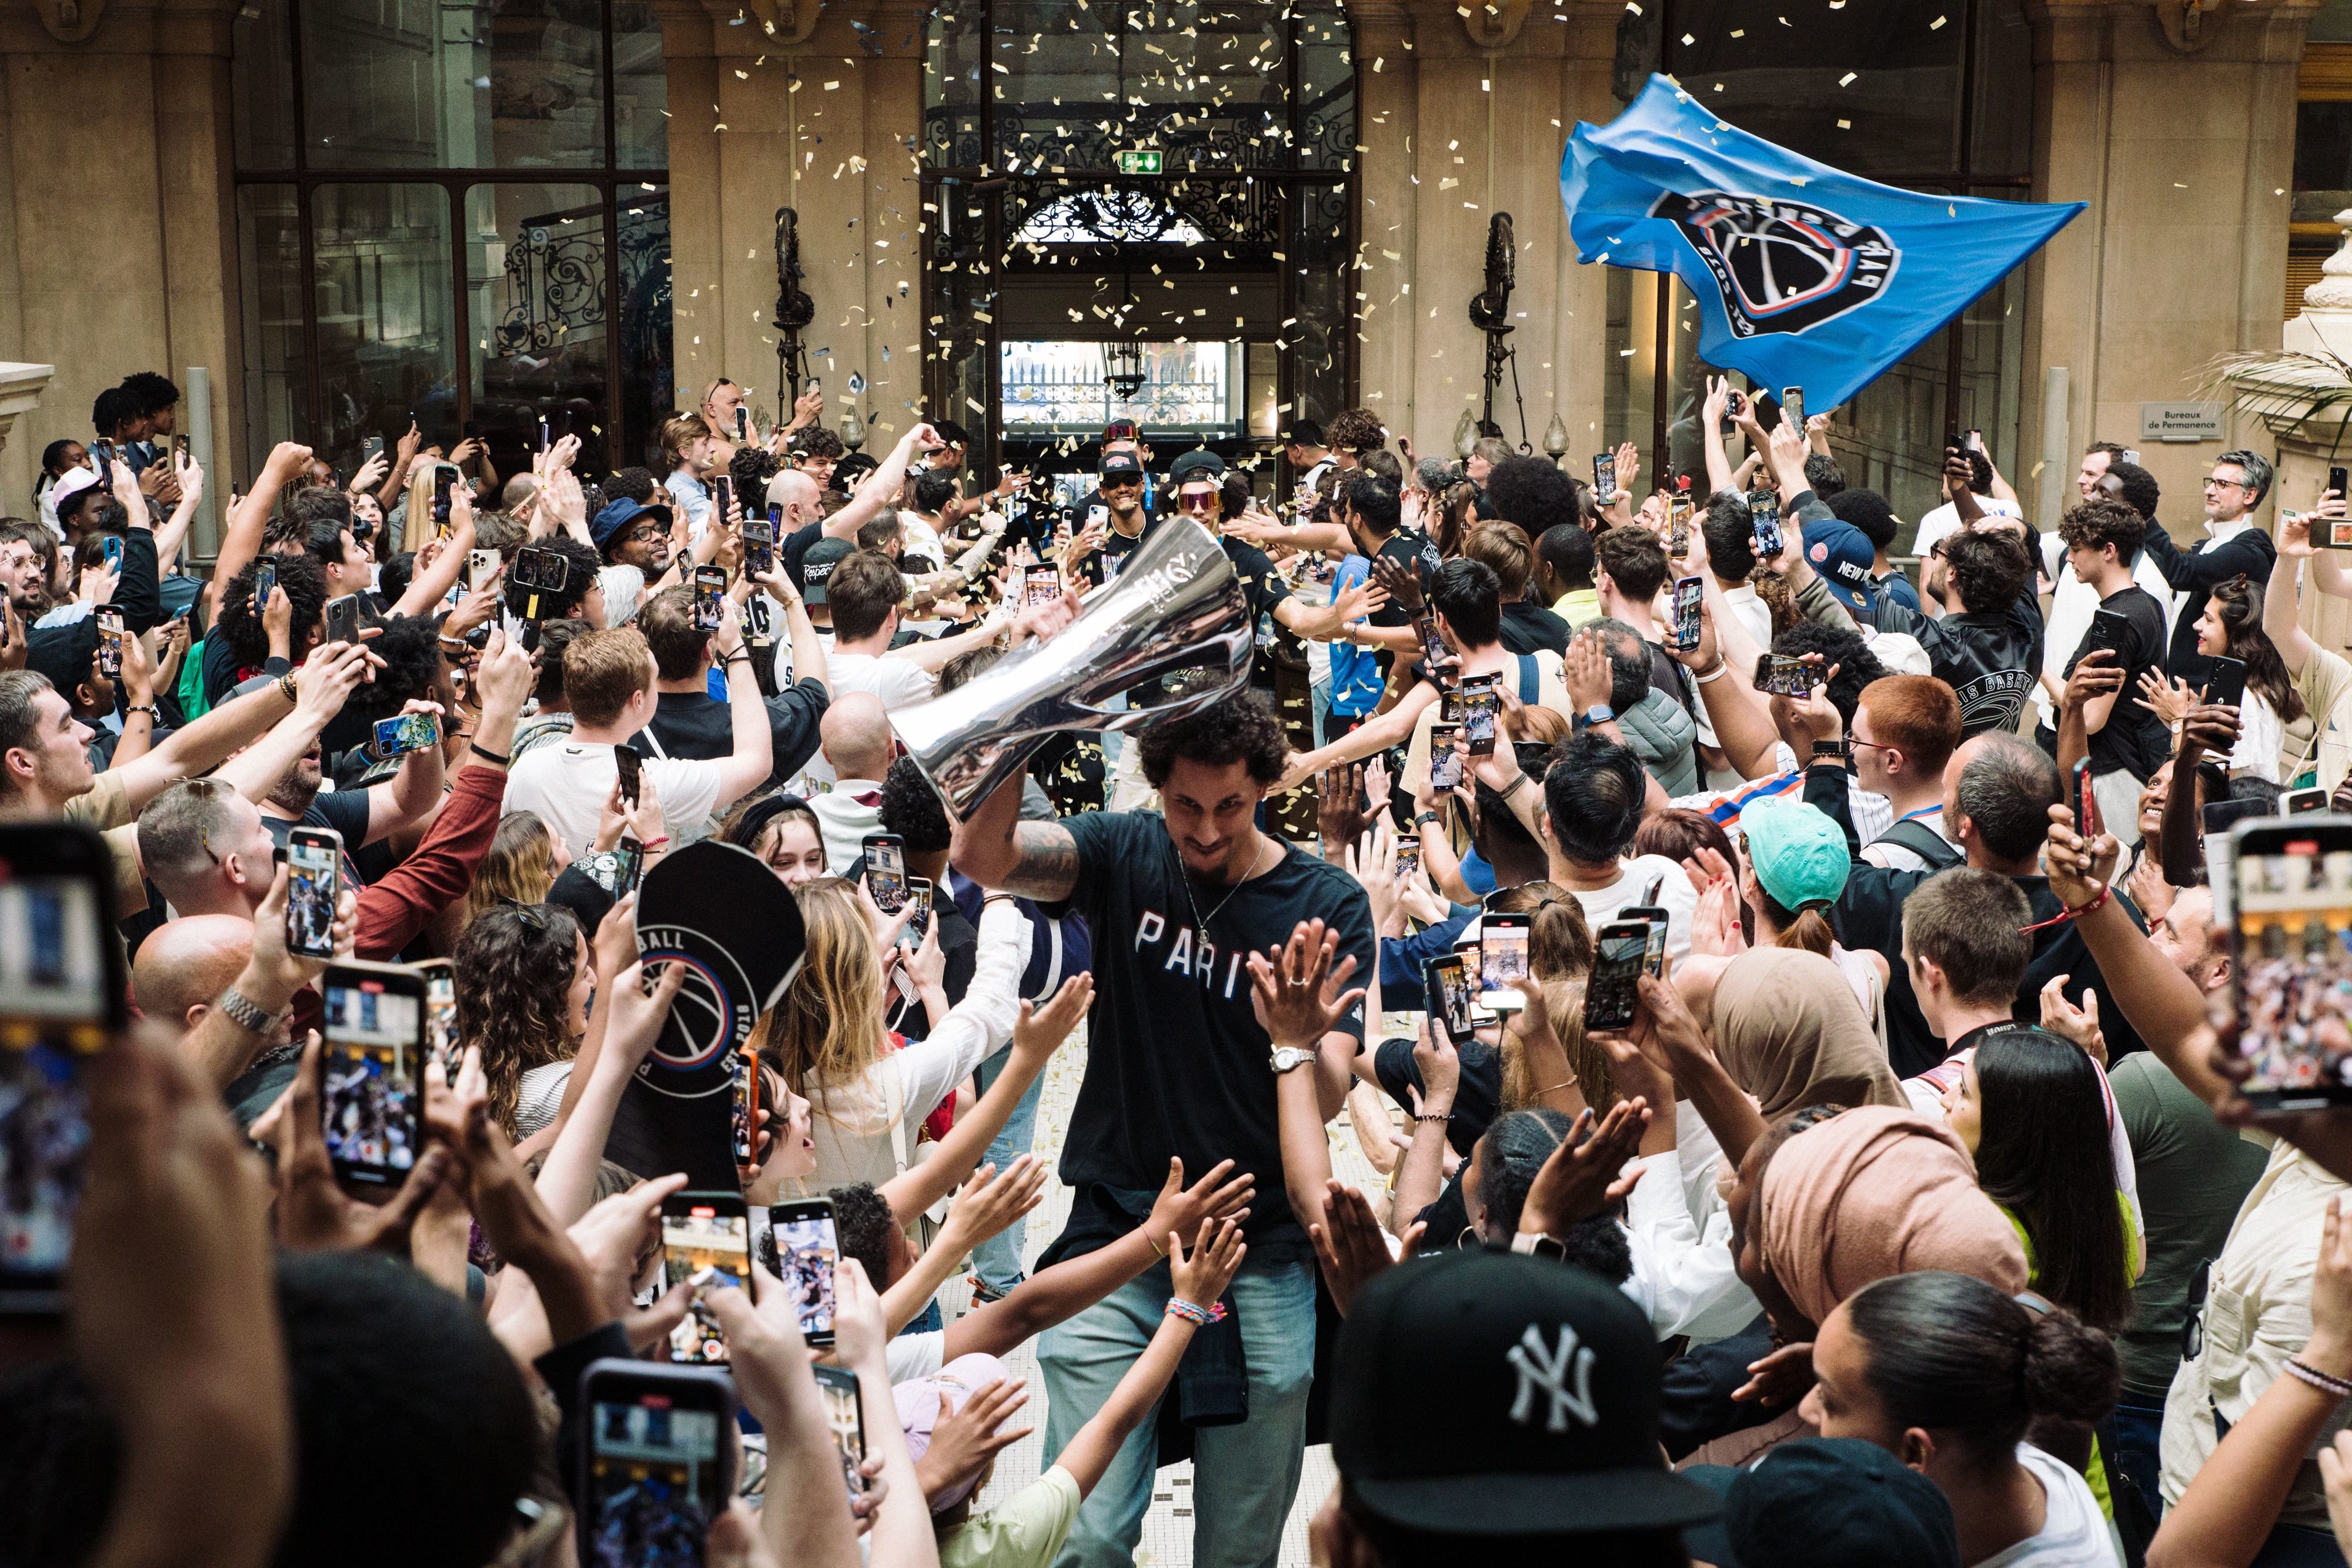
pixel 2180 135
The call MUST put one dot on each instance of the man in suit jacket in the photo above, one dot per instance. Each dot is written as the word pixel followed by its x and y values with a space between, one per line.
pixel 2233 546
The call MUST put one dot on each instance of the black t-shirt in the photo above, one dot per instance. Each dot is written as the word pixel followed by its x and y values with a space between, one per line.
pixel 1414 548
pixel 2133 740
pixel 1527 627
pixel 1117 547
pixel 792 550
pixel 1177 1063
pixel 697 725
pixel 346 812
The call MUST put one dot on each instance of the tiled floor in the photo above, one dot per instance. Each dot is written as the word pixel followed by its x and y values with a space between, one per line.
pixel 1168 1528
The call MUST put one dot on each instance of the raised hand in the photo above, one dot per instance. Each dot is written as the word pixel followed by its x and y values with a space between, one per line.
pixel 1295 989
pixel 1350 1245
pixel 1580 1179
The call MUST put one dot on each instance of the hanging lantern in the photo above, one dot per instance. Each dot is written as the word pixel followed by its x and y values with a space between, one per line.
pixel 1123 366
pixel 1555 437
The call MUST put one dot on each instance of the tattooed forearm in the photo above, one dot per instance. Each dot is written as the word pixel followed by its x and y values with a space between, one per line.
pixel 1047 866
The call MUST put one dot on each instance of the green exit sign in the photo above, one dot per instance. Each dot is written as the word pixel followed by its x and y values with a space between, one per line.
pixel 1143 162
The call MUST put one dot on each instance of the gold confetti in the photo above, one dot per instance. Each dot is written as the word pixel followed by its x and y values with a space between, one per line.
pixel 1847 80
pixel 1935 24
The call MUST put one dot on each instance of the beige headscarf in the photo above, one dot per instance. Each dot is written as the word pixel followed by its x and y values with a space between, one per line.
pixel 1875 1192
pixel 1788 1030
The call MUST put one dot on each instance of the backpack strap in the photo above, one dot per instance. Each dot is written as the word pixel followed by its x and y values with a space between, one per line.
pixel 1923 841
pixel 1530 681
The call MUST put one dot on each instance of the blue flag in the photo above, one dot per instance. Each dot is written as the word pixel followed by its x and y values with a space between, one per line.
pixel 1805 275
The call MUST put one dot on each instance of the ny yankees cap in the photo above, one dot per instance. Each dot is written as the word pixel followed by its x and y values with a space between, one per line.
pixel 1490 1394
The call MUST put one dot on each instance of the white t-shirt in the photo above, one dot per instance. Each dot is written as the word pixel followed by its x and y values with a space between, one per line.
pixel 899 683
pixel 1675 897
pixel 567 784
pixel 912 1357
pixel 2074 1533
pixel 1940 523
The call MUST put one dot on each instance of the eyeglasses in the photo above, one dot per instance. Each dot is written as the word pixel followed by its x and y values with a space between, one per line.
pixel 1200 503
pixel 642 534
pixel 2218 483
pixel 1874 745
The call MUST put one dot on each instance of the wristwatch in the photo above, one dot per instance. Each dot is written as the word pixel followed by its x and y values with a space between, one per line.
pixel 243 1012
pixel 1831 751
pixel 1599 712
pixel 1286 1057
pixel 1425 818
pixel 1529 1243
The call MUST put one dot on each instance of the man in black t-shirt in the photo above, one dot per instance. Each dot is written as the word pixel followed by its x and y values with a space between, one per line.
pixel 1178 1067
pixel 2127 742
pixel 688 722
pixel 1099 549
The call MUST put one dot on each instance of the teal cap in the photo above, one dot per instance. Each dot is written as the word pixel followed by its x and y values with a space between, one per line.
pixel 1799 855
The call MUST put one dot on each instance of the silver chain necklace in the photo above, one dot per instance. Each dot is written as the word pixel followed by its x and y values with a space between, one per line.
pixel 1184 876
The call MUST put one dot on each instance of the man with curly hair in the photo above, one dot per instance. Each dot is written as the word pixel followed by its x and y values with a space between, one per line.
pixel 1352 433
pixel 2127 742
pixel 1176 1069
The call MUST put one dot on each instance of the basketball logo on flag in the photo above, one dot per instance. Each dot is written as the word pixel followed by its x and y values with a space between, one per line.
pixel 1781 267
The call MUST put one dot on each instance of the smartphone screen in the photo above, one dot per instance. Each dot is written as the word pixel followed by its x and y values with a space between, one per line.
pixel 1792 404
pixel 722 496
pixel 845 1416
pixel 886 871
pixel 1604 478
pixel 1446 993
pixel 1768 542
pixel 1433 645
pixel 2293 962
pixel 918 899
pixel 759 545
pixel 743 1113
pixel 1678 522
pixel 1614 991
pixel 1445 760
pixel 629 766
pixel 406 732
pixel 1503 962
pixel 1408 860
pixel 54 999
pixel 2087 803
pixel 631 870
pixel 704 1230
pixel 1042 586
pixel 1449 705
pixel 264 582
pixel 807 1247
pixel 445 478
pixel 656 1478
pixel 1689 594
pixel 372 1093
pixel 442 1043
pixel 109 641
pixel 710 587
pixel 314 886
pixel 1481 706
pixel 2225 683
pixel 1779 675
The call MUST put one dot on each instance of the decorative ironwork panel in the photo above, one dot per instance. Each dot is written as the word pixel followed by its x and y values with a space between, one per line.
pixel 556 281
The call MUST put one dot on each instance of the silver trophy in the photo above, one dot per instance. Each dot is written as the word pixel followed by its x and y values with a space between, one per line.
pixel 1177 605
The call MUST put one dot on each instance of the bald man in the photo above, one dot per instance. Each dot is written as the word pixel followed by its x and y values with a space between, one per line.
pixel 857 744
pixel 185 963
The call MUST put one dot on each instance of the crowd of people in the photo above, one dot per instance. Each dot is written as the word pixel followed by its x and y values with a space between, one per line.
pixel 1859 1161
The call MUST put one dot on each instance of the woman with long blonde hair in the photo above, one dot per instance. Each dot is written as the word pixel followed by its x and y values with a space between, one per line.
pixel 869 1089
pixel 523 862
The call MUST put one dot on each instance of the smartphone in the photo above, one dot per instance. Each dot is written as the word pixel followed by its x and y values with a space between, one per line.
pixel 1604 478
pixel 743 1110
pixel 473 429
pixel 2297 803
pixel 886 871
pixel 544 442
pixel 815 386
pixel 1690 593
pixel 1503 961
pixel 759 545
pixel 2340 479
pixel 762 626
pixel 2131 455
pixel 2225 683
pixel 109 641
pixel 103 452
pixel 630 767
pixel 1408 860
pixel 372 1070
pixel 441 1041
pixel 1763 503
pixel 722 496
pixel 369 450
pixel 631 869
pixel 1482 706
pixel 2290 951
pixel 264 582
pixel 444 479
pixel 1042 585
pixel 1445 993
pixel 1444 761
pixel 1434 650
pixel 742 425
pixel 343 619
pixel 404 733
pixel 656 1462
pixel 314 885
pixel 700 1231
pixel 481 565
pixel 2219 815
pixel 2107 631
pixel 1612 992
pixel 1779 675
pixel 1768 542
pixel 710 587
pixel 1792 405
pixel 110 547
pixel 1449 705
pixel 2085 803
pixel 1735 404
pixel 918 924
pixel 1976 441
pixel 847 1417
pixel 807 1247
pixel 1678 522
pixel 61 993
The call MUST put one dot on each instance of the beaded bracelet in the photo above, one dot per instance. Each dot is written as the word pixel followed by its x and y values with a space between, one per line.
pixel 1178 1307
pixel 2320 1380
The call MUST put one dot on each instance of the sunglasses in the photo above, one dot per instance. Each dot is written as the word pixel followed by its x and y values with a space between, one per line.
pixel 1204 501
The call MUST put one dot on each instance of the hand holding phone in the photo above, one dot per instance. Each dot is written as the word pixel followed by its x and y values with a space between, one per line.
pixel 314 858
pixel 705 1240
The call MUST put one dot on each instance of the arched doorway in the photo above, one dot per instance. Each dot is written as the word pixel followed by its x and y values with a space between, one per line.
pixel 1138 214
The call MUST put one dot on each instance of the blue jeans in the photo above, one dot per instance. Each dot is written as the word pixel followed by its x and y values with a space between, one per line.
pixel 2138 1455
pixel 1244 1477
pixel 997 1261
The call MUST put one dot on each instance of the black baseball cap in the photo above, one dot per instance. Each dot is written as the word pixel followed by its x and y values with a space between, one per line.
pixel 816 567
pixel 1196 464
pixel 1825 1502
pixel 1490 1394
pixel 1121 466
